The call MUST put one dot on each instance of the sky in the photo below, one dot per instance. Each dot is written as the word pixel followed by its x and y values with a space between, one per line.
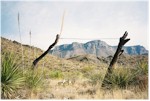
pixel 83 19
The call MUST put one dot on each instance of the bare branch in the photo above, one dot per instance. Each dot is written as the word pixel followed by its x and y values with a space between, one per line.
pixel 50 47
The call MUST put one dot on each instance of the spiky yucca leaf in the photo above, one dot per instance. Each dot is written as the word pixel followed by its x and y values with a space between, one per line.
pixel 11 76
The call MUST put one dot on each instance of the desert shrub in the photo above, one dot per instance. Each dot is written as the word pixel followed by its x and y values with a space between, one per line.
pixel 78 74
pixel 56 74
pixel 87 69
pixel 72 75
pixel 142 68
pixel 11 76
pixel 120 77
pixel 96 78
pixel 33 81
pixel 141 78
pixel 42 71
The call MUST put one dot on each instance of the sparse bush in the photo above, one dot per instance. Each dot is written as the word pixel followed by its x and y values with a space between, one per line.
pixel 56 74
pixel 123 77
pixel 33 81
pixel 72 75
pixel 120 77
pixel 141 78
pixel 87 69
pixel 96 78
pixel 11 76
pixel 142 68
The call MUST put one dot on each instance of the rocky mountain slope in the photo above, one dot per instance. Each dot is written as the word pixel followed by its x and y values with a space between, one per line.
pixel 97 47
pixel 30 53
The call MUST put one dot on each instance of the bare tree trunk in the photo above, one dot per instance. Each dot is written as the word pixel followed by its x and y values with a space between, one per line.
pixel 118 52
pixel 50 47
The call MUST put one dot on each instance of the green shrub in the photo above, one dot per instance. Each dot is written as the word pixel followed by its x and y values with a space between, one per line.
pixel 142 68
pixel 72 75
pixel 33 80
pixel 87 69
pixel 11 76
pixel 141 73
pixel 56 74
pixel 120 77
pixel 96 78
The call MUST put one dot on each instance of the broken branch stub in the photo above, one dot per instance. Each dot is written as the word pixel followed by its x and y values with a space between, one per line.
pixel 50 47
pixel 119 51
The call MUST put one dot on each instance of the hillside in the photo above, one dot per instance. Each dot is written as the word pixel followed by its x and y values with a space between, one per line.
pixel 78 77
pixel 31 53
pixel 123 60
pixel 97 47
pixel 51 62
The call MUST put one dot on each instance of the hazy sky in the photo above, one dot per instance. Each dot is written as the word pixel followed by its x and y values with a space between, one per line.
pixel 83 19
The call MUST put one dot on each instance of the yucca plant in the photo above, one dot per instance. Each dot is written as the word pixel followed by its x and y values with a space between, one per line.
pixel 142 68
pixel 141 78
pixel 33 81
pixel 11 76
pixel 120 77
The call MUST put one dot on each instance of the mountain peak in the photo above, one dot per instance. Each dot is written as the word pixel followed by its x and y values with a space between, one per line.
pixel 95 47
pixel 98 42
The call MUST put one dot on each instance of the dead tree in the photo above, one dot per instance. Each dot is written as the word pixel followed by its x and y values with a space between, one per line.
pixel 118 52
pixel 50 47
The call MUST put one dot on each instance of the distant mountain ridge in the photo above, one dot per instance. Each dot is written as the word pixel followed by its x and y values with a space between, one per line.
pixel 97 47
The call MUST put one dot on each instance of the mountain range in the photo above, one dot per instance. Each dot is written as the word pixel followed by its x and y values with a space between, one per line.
pixel 53 62
pixel 96 47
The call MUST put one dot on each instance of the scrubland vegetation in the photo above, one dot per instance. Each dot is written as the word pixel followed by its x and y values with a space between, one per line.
pixel 56 78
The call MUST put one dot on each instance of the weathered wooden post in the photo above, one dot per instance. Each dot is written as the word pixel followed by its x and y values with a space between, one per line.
pixel 118 52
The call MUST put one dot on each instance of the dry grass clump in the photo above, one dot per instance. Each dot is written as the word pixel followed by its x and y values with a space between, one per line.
pixel 55 74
